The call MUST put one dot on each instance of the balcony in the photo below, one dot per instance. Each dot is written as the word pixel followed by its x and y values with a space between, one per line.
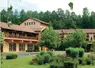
pixel 20 37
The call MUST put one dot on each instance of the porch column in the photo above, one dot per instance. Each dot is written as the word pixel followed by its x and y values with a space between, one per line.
pixel 5 47
pixel 17 47
pixel 25 46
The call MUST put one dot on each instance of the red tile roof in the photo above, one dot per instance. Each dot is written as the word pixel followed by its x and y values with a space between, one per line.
pixel 15 27
pixel 37 20
pixel 72 30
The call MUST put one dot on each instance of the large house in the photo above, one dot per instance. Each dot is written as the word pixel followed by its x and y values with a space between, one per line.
pixel 22 37
pixel 26 35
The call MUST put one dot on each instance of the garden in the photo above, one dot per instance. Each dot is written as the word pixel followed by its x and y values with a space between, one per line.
pixel 76 54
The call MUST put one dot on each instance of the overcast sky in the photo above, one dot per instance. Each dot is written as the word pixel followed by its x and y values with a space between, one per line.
pixel 44 5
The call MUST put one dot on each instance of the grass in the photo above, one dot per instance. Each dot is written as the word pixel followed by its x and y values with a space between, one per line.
pixel 21 62
pixel 87 66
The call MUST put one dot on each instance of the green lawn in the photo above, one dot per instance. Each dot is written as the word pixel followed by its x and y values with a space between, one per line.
pixel 23 62
pixel 87 66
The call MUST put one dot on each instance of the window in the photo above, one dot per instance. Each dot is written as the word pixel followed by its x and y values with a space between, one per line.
pixel 25 23
pixel 34 23
pixel 12 46
pixel 31 23
pixel 21 47
pixel 29 46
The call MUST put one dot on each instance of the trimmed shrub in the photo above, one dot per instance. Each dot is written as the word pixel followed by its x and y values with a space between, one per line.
pixel 36 48
pixel 68 51
pixel 80 60
pixel 49 52
pixel 56 64
pixel 75 52
pixel 88 61
pixel 33 61
pixel 92 56
pixel 47 58
pixel 81 52
pixel 42 53
pixel 69 64
pixel 29 50
pixel 84 62
pixel 11 56
pixel 42 58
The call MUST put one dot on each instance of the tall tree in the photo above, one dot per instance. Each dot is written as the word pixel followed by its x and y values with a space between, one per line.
pixel 85 18
pixel 29 14
pixel 50 38
pixel 22 15
pixel 76 39
pixel 92 19
pixel 15 17
pixel 4 15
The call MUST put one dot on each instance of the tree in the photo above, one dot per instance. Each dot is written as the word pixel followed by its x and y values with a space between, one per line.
pixel 3 16
pixel 50 38
pixel 15 18
pixel 85 19
pixel 22 15
pixel 76 39
pixel 29 14
pixel 92 19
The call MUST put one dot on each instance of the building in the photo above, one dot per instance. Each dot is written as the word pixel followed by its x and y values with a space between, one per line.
pixel 90 33
pixel 22 37
pixel 18 38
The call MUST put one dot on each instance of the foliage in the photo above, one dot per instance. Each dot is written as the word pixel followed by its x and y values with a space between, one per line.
pixel 29 50
pixel 60 19
pixel 93 46
pixel 36 48
pixel 11 56
pixel 1 38
pixel 56 64
pixel 69 64
pixel 81 52
pixel 50 38
pixel 76 39
pixel 75 52
pixel 88 61
pixel 42 58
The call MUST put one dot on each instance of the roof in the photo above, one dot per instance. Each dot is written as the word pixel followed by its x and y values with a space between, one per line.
pixel 15 27
pixel 72 30
pixel 37 20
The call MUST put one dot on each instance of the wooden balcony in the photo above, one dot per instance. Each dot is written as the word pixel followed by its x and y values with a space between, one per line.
pixel 19 37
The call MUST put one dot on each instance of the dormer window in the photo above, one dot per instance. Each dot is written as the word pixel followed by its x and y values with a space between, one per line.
pixel 29 23
pixel 24 23
pixel 34 23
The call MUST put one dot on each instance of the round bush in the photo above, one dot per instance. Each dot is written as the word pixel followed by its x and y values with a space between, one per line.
pixel 88 61
pixel 47 58
pixel 75 52
pixel 11 56
pixel 81 52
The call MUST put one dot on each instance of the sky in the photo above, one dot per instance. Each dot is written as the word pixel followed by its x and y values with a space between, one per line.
pixel 44 5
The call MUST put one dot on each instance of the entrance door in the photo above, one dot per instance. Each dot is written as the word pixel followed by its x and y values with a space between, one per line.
pixel 30 46
pixel 12 46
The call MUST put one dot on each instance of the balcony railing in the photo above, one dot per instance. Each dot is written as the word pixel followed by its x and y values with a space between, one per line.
pixel 23 37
